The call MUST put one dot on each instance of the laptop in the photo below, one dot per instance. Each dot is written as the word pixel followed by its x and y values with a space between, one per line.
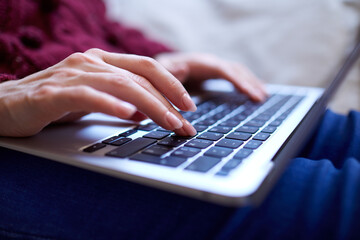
pixel 240 151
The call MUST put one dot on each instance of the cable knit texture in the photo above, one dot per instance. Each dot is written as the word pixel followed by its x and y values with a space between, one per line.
pixel 36 34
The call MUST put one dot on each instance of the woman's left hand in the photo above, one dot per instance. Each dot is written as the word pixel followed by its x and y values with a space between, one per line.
pixel 199 67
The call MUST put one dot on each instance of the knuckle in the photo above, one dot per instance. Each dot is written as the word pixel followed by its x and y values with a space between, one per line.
pixel 148 63
pixel 95 51
pixel 80 91
pixel 79 58
pixel 44 93
pixel 45 90
pixel 72 97
pixel 119 81
pixel 61 73
pixel 76 58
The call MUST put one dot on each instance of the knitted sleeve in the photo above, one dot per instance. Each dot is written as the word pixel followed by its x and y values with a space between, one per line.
pixel 35 35
pixel 5 77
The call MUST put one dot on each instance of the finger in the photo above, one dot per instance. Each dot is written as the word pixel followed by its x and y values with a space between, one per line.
pixel 257 84
pixel 138 117
pixel 243 81
pixel 180 70
pixel 61 101
pixel 187 128
pixel 121 86
pixel 163 80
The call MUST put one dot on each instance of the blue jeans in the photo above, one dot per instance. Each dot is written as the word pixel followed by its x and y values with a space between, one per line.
pixel 318 197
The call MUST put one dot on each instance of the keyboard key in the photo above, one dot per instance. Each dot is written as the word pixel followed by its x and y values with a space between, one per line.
pixel 229 143
pixel 147 127
pixel 243 153
pixel 231 105
pixel 239 136
pixel 275 123
pixel 261 136
pixel 172 141
pixel 200 128
pixel 199 143
pixel 218 152
pixel 128 133
pixel 239 117
pixel 220 129
pixel 211 136
pixel 230 123
pixel 247 129
pixel 222 173
pixel 203 164
pixel 253 144
pixel 282 117
pixel 247 112
pixel 207 122
pixel 230 165
pixel 192 116
pixel 263 117
pixel 94 147
pixel 111 139
pixel 120 141
pixel 219 115
pixel 269 129
pixel 186 152
pixel 168 161
pixel 161 129
pixel 157 150
pixel 156 135
pixel 255 123
pixel 182 137
pixel 131 147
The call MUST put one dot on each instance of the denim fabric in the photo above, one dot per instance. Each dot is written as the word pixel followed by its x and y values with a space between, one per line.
pixel 318 197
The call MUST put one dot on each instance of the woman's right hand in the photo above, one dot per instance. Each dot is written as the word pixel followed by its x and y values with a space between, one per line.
pixel 95 81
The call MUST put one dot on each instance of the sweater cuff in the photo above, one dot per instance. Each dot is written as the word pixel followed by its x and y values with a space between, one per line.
pixel 6 77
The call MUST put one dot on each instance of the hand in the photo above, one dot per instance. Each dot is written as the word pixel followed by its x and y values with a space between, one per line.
pixel 199 67
pixel 95 81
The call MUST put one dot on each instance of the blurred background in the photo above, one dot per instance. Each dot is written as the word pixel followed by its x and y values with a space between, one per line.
pixel 297 42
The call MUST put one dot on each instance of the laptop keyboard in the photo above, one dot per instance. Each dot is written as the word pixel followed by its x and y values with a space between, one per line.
pixel 230 128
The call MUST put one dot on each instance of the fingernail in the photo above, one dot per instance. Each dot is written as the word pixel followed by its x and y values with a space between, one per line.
pixel 180 132
pixel 261 95
pixel 189 129
pixel 173 120
pixel 188 103
pixel 128 108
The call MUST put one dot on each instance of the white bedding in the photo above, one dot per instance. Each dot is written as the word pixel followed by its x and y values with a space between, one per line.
pixel 295 42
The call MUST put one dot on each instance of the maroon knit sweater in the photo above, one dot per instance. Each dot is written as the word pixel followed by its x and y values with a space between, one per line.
pixel 36 34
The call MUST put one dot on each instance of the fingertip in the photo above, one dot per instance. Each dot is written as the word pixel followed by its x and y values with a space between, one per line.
pixel 173 121
pixel 258 96
pixel 138 117
pixel 189 129
pixel 126 110
pixel 180 132
pixel 188 103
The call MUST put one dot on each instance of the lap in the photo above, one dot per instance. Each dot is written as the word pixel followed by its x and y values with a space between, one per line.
pixel 313 199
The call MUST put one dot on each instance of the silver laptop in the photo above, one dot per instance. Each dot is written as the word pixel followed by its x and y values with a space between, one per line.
pixel 240 151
